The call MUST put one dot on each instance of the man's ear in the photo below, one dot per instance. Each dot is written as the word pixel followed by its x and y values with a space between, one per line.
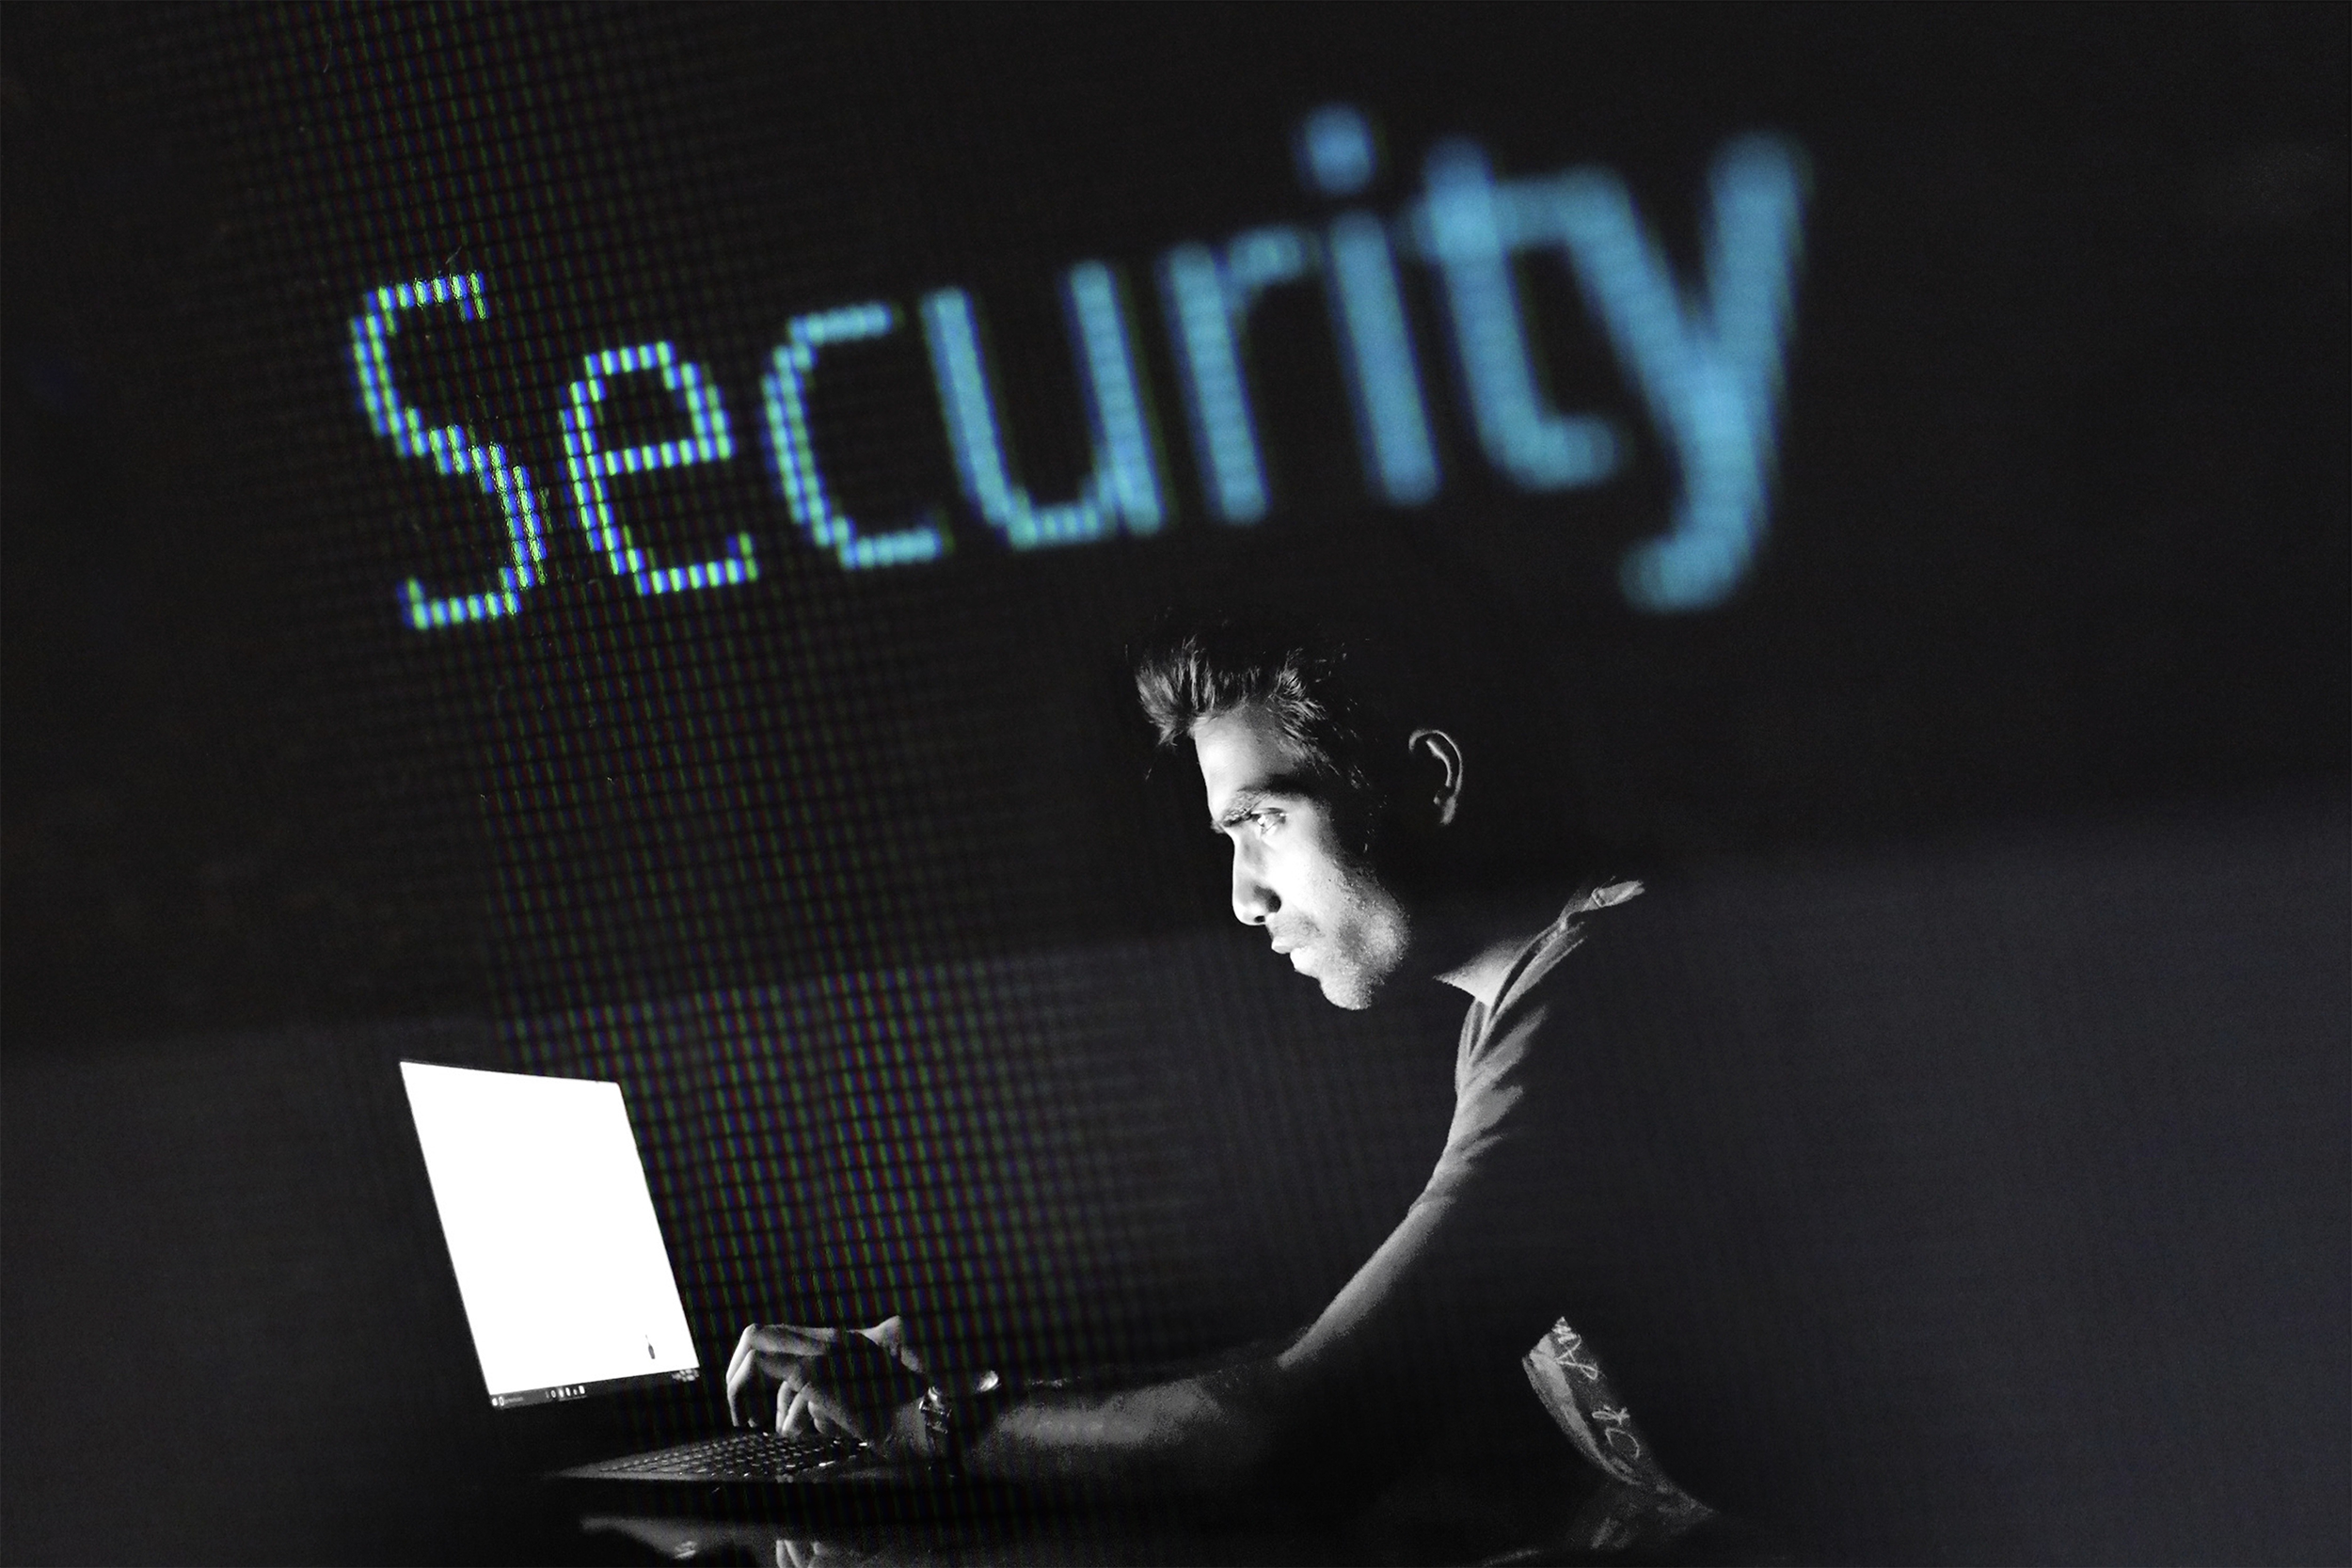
pixel 1436 772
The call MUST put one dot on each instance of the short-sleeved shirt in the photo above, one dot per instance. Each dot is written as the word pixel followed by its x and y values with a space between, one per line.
pixel 1652 1153
pixel 1490 1089
pixel 1792 1238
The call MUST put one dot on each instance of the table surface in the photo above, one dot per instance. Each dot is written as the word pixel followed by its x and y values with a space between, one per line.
pixel 1375 1540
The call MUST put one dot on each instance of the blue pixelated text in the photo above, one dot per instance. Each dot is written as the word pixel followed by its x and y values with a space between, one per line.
pixel 1705 356
pixel 785 390
pixel 452 448
pixel 592 467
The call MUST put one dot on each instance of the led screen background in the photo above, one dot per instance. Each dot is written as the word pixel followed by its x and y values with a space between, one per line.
pixel 2051 527
pixel 2054 539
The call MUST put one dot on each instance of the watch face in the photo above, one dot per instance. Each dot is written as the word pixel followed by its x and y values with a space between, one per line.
pixel 954 1386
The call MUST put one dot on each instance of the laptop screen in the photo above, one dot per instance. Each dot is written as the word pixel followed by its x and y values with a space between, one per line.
pixel 551 1231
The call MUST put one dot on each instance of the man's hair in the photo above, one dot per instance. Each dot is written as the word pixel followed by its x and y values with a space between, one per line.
pixel 1295 677
pixel 1348 685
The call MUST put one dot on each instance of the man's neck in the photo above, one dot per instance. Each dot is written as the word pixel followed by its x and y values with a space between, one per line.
pixel 1482 945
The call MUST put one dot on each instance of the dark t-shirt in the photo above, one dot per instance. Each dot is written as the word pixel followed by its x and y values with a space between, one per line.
pixel 1746 1296
pixel 1956 1216
pixel 1493 1075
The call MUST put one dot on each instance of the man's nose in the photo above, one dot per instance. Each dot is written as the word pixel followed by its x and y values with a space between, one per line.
pixel 1253 900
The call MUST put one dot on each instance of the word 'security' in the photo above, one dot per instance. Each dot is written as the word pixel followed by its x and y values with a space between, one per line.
pixel 1707 363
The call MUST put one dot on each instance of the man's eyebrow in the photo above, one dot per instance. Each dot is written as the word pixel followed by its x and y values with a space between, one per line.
pixel 1242 803
pixel 1287 786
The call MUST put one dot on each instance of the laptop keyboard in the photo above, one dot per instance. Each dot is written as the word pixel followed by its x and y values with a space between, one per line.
pixel 738 1456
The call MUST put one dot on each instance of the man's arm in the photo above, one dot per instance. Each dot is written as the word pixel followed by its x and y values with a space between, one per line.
pixel 1213 1432
pixel 1432 1326
pixel 1402 1346
pixel 1207 1431
pixel 1405 1343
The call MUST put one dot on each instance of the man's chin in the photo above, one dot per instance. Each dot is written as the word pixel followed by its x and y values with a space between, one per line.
pixel 1353 992
pixel 1353 986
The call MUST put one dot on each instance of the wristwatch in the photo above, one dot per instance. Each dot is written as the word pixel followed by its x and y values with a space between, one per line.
pixel 955 1412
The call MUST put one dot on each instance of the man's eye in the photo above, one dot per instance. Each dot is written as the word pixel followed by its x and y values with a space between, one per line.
pixel 1265 821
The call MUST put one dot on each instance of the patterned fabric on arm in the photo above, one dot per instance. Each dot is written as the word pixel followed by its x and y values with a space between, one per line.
pixel 1645 1510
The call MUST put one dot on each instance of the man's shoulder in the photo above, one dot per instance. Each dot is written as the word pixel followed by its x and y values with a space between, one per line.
pixel 1594 925
pixel 1552 993
pixel 1526 1071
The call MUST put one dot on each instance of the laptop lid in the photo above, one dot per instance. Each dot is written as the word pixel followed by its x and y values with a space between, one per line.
pixel 567 1285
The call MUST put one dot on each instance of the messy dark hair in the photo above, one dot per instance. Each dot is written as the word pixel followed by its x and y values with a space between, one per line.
pixel 1348 687
pixel 1210 670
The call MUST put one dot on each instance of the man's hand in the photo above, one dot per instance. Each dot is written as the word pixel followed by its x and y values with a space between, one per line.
pixel 835 1382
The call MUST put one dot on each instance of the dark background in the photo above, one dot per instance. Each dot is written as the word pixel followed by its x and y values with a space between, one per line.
pixel 2030 725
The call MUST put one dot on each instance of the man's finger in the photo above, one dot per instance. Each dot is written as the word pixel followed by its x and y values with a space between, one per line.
pixel 829 1417
pixel 739 1369
pixel 789 1339
pixel 792 1417
pixel 892 1335
pixel 774 1348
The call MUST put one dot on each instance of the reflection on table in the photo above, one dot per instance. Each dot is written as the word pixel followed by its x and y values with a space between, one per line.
pixel 1434 1520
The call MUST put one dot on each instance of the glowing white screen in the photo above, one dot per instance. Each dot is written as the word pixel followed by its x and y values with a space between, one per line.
pixel 550 1229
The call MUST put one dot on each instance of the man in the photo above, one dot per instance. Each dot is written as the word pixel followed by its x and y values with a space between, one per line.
pixel 1365 829
pixel 1847 1237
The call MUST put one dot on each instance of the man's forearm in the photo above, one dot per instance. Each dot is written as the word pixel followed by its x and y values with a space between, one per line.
pixel 1120 1378
pixel 1211 1433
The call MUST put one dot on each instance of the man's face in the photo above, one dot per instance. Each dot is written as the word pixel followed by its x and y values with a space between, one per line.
pixel 1295 872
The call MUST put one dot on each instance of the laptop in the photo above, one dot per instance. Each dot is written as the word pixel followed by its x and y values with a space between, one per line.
pixel 569 1293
